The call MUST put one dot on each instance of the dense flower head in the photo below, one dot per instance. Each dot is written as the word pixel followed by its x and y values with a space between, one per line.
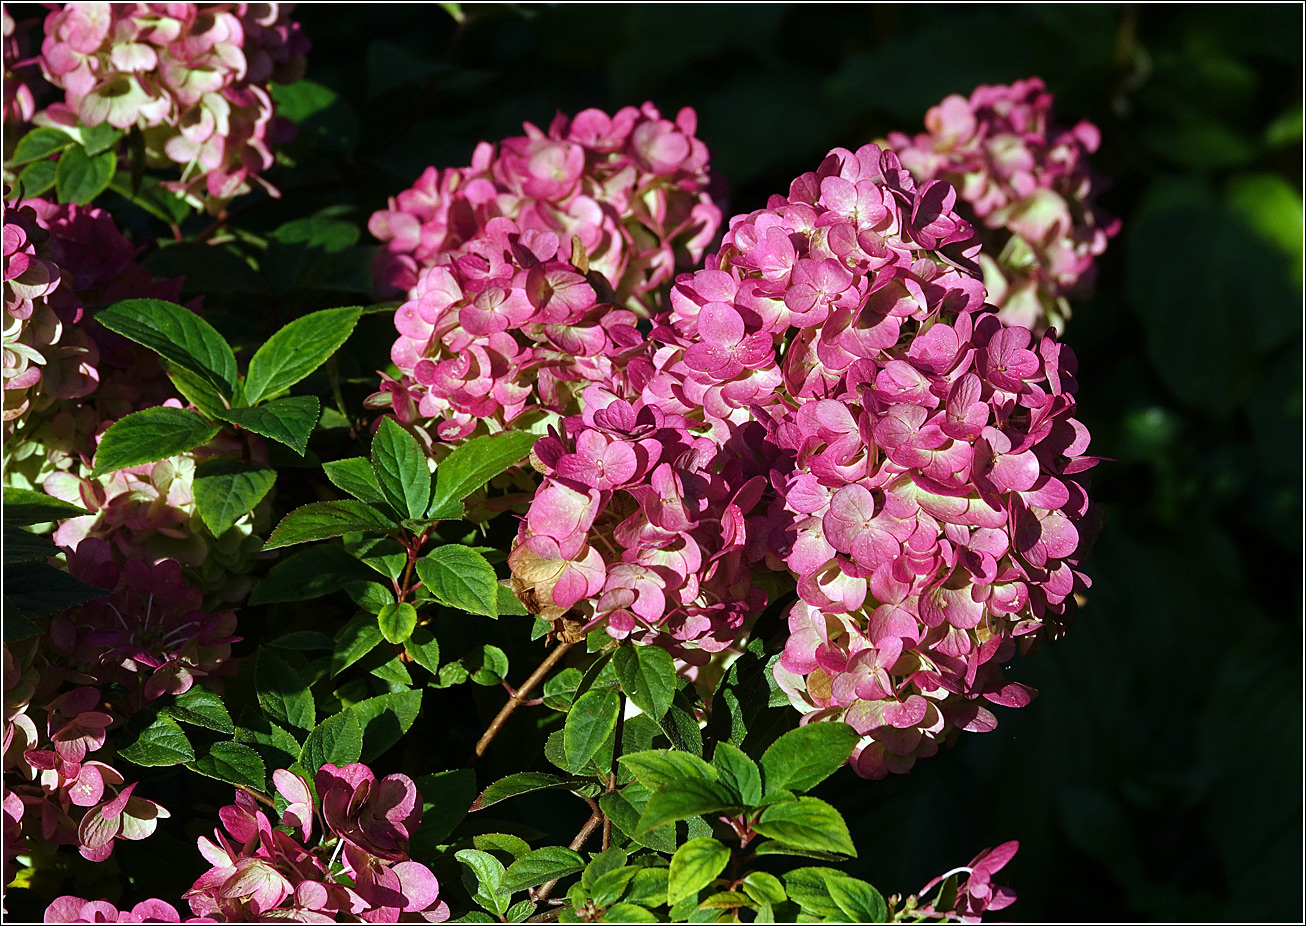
pixel 640 524
pixel 507 328
pixel 193 78
pixel 527 271
pixel 1027 181
pixel 149 634
pixel 834 399
pixel 631 186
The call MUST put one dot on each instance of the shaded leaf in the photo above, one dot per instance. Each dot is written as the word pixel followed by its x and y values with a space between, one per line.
pixel 178 335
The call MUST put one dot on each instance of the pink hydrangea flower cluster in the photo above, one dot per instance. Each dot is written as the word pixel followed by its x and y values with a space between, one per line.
pixel 1027 181
pixel 54 793
pixel 878 435
pixel 631 186
pixel 527 271
pixel 150 634
pixel 193 78
pixel 360 868
pixel 508 327
pixel 640 523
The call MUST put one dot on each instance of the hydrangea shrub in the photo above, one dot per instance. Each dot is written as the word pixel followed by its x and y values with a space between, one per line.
pixel 786 502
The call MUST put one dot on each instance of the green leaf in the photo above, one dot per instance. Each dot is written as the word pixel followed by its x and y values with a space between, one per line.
pixel 23 506
pixel 282 694
pixel 39 144
pixel 648 677
pixel 803 758
pixel 423 648
pixel 372 597
pixel 202 708
pixel 686 797
pixel 161 743
pixel 150 435
pixel 80 177
pixel 487 665
pixel 314 252
pixel 37 178
pixel 521 783
pixel 502 842
pixel 649 887
pixel 297 350
pixel 560 689
pixel 473 464
pixel 446 798
pixel 354 641
pixel 288 420
pixel 22 546
pixel 486 882
pixel 547 864
pixel 234 763
pixel 197 391
pixel 400 469
pixel 835 896
pixel 861 902
pixel 384 554
pixel 608 887
pixel 510 604
pixel 655 767
pixel 354 476
pixel 695 865
pixel 739 773
pixel 309 573
pixel 807 823
pixel 178 335
pixel 628 913
pixel 606 861
pixel 226 490
pixel 681 726
pixel 385 719
pixel 764 888
pixel 98 138
pixel 624 814
pixel 277 746
pixel 36 589
pixel 462 578
pixel 397 621
pixel 590 722
pixel 338 740
pixel 320 520
pixel 16 626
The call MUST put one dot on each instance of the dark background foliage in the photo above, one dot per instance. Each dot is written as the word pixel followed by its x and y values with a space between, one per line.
pixel 1158 775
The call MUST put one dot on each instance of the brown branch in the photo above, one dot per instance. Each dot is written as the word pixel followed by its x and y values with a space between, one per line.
pixel 518 698
pixel 585 832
